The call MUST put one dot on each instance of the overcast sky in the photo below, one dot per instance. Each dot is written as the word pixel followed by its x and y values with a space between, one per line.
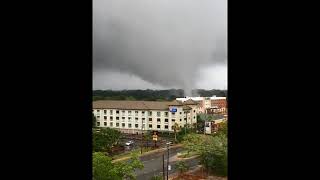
pixel 147 44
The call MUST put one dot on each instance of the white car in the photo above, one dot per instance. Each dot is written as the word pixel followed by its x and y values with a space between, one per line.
pixel 170 143
pixel 129 143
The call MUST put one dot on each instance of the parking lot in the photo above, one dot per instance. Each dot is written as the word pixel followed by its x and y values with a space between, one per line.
pixel 123 148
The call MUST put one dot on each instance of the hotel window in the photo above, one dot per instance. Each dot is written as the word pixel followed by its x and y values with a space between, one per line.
pixel 129 125
pixel 194 110
pixel 117 112
pixel 136 119
pixel 123 118
pixel 173 113
pixel 143 126
pixel 194 117
pixel 123 112
pixel 98 117
pixel 150 113
pixel 166 126
pixel 105 117
pixel 98 110
pixel 117 124
pixel 129 113
pixel 143 119
pixel 105 111
pixel 117 118
pixel 129 118
pixel 180 112
pixel 105 123
pixel 150 125
pixel 142 113
pixel 185 118
pixel 136 113
pixel 111 112
pixel 158 119
pixel 98 123
pixel 111 118
pixel 166 113
pixel 158 126
pixel 150 119
pixel 173 120
pixel 158 114
pixel 111 124
pixel 180 120
pixel 136 125
pixel 123 125
pixel 166 120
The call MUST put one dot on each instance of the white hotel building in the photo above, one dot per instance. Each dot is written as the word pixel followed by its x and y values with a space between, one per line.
pixel 138 116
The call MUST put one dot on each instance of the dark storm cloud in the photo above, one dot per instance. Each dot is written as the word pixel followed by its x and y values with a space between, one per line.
pixel 163 42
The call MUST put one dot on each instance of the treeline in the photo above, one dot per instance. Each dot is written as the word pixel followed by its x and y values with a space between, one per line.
pixel 152 95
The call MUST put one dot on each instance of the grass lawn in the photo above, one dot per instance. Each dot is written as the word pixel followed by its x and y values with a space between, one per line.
pixel 184 154
pixel 128 154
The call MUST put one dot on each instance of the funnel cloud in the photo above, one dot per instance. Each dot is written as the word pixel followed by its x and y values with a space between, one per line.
pixel 162 44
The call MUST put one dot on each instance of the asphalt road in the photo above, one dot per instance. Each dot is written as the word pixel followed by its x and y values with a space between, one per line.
pixel 153 164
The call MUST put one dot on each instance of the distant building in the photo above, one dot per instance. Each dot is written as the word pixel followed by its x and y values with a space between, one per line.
pixel 214 124
pixel 139 116
pixel 208 105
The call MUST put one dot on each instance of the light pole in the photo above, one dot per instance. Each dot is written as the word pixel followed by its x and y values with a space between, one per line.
pixel 142 128
pixel 163 173
pixel 168 147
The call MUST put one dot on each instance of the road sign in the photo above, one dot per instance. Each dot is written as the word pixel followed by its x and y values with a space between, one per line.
pixel 155 137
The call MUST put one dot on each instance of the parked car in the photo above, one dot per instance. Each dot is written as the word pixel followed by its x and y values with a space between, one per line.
pixel 170 143
pixel 129 143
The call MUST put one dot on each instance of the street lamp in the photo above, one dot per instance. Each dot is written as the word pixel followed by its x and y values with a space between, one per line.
pixel 168 147
pixel 141 138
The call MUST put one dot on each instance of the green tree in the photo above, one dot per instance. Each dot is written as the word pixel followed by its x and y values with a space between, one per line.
pixel 193 142
pixel 182 167
pixel 104 169
pixel 212 149
pixel 214 156
pixel 130 98
pixel 94 121
pixel 105 139
pixel 126 169
pixel 223 129
pixel 156 177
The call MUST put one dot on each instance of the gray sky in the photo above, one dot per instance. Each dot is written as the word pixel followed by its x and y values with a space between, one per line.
pixel 147 44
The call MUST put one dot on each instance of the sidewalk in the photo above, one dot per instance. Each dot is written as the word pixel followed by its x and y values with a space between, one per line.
pixel 149 152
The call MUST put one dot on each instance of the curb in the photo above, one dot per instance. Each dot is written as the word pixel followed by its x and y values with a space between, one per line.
pixel 149 152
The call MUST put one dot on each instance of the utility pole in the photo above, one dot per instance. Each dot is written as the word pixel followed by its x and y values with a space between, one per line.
pixel 185 126
pixel 163 172
pixel 141 141
pixel 168 161
pixel 141 135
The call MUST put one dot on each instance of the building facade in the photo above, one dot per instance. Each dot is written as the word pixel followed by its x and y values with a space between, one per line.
pixel 213 104
pixel 138 116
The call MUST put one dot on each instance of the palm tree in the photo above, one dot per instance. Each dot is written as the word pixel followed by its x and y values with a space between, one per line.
pixel 176 128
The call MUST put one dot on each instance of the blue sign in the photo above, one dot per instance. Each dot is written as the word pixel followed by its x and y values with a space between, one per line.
pixel 173 109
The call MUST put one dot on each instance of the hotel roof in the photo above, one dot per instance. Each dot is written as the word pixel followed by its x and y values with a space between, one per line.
pixel 135 105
